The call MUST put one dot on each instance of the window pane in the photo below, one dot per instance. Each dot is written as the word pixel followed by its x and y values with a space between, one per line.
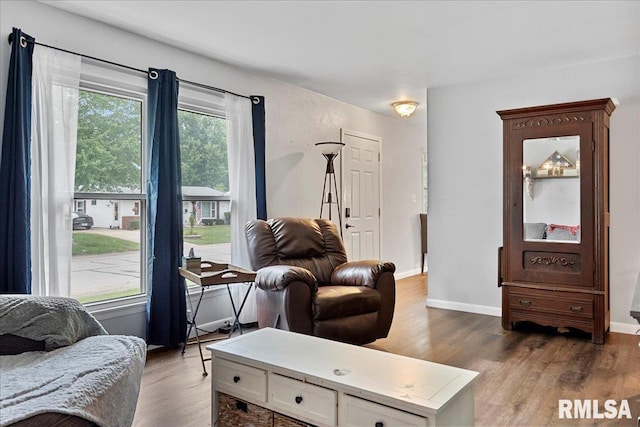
pixel 108 157
pixel 205 180
pixel 106 251
pixel 107 233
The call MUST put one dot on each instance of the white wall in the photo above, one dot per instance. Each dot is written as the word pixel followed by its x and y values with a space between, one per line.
pixel 465 179
pixel 295 119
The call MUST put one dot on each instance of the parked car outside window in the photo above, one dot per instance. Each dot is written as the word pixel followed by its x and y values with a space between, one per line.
pixel 82 221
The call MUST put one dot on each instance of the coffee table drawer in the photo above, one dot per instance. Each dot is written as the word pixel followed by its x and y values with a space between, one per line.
pixel 359 412
pixel 303 400
pixel 240 380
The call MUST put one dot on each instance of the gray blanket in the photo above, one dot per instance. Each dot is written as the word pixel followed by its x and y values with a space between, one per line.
pixel 88 374
pixel 57 321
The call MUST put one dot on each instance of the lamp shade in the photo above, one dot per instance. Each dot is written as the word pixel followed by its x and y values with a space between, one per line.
pixel 405 108
pixel 330 147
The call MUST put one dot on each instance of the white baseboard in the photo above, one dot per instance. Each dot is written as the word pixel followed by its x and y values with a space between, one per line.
pixel 460 306
pixel 212 326
pixel 624 328
pixel 409 273
pixel 621 328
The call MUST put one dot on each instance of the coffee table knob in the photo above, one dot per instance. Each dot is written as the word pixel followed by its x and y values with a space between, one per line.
pixel 236 379
pixel 379 424
pixel 298 399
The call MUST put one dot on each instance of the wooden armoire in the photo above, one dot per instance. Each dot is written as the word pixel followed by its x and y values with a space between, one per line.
pixel 554 263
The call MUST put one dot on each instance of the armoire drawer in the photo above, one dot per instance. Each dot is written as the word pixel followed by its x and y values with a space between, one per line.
pixel 562 303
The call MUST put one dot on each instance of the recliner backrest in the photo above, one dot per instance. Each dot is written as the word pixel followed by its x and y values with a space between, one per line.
pixel 314 244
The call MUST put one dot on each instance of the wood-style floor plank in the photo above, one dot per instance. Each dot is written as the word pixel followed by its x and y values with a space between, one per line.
pixel 522 374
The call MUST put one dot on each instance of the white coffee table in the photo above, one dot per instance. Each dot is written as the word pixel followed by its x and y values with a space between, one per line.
pixel 328 383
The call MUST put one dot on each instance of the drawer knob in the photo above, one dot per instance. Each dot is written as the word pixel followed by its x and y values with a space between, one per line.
pixel 379 424
pixel 576 308
pixel 236 379
pixel 525 302
pixel 298 399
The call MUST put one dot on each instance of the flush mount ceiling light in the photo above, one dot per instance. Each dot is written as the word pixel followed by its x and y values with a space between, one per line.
pixel 405 108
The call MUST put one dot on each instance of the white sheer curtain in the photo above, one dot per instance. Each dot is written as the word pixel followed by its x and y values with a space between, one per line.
pixel 242 185
pixel 54 123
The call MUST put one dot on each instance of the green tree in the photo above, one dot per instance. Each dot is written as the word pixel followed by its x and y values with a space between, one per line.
pixel 203 150
pixel 108 155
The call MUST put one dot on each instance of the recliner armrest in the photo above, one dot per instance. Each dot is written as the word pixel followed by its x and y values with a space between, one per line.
pixel 278 277
pixel 360 273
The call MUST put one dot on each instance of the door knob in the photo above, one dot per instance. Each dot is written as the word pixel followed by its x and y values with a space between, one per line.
pixel 349 226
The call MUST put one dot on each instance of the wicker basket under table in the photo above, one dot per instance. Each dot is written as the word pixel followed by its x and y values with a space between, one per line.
pixel 234 412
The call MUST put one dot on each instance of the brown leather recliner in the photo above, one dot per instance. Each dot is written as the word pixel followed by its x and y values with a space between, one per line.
pixel 305 284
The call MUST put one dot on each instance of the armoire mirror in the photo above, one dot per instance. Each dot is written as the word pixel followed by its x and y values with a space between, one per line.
pixel 551 200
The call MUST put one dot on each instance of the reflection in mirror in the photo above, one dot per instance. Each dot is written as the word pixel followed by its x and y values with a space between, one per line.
pixel 551 196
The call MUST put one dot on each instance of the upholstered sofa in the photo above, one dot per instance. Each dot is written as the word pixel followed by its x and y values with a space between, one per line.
pixel 305 284
pixel 59 367
pixel 555 232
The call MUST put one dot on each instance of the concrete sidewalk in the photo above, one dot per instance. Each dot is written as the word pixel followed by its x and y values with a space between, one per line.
pixel 109 273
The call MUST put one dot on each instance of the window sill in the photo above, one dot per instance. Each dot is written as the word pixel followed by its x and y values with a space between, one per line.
pixel 137 304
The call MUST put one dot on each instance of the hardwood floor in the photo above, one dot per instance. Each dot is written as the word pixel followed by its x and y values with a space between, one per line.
pixel 522 374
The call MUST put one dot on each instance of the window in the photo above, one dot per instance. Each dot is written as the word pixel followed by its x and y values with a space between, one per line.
pixel 205 179
pixel 109 237
pixel 213 213
pixel 107 252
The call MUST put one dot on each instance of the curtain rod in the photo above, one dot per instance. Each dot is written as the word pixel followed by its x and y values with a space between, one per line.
pixel 24 41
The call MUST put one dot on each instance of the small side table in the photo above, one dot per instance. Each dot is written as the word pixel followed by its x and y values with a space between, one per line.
pixel 214 274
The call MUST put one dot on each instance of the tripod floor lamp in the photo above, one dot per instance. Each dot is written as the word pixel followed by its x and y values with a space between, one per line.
pixel 330 151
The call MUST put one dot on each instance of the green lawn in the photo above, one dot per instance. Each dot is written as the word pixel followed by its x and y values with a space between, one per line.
pixel 86 243
pixel 109 295
pixel 210 234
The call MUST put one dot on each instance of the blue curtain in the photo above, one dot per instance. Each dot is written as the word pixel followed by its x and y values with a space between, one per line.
pixel 15 171
pixel 166 306
pixel 257 105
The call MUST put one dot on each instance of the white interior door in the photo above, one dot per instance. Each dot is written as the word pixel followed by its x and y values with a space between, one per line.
pixel 361 195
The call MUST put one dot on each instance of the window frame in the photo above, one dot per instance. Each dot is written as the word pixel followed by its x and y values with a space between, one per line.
pixel 198 101
pixel 111 81
pixel 205 104
pixel 114 81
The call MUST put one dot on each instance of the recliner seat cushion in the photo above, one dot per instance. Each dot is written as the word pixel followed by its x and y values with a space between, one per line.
pixel 334 302
pixel 360 329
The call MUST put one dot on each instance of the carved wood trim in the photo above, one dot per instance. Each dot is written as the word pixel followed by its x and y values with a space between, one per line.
pixel 552 260
pixel 560 119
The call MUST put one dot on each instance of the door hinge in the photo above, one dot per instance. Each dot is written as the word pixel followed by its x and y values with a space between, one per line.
pixel 378 212
pixel 593 146
pixel 378 156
